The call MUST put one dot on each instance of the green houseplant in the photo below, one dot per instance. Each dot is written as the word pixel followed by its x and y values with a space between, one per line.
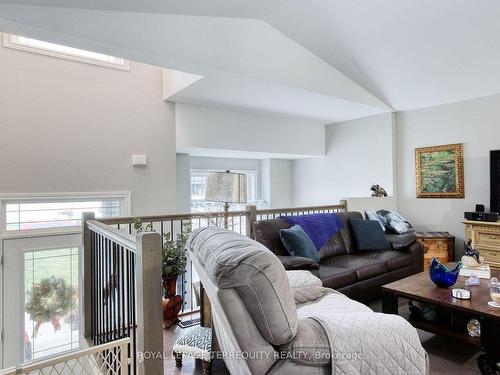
pixel 174 262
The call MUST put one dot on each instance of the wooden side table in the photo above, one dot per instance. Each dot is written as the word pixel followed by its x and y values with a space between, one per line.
pixel 439 245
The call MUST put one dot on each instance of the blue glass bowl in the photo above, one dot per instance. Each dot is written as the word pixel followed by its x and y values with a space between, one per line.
pixel 441 275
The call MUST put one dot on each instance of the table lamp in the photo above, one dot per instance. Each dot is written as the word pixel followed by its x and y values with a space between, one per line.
pixel 226 187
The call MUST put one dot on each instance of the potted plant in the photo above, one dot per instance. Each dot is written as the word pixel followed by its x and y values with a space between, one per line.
pixel 174 261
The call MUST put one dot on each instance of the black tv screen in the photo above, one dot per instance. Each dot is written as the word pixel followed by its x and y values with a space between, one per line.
pixel 495 180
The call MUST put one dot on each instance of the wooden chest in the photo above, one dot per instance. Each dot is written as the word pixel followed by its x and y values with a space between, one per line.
pixel 439 245
pixel 485 238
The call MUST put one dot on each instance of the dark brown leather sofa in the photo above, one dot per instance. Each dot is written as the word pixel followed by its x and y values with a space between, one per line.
pixel 357 274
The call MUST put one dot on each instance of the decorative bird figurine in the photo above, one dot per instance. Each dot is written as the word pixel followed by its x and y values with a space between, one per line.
pixel 378 191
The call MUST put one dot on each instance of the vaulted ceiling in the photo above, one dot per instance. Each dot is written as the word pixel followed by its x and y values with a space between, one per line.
pixel 329 60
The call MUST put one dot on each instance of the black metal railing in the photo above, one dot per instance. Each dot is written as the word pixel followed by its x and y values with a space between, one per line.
pixel 110 302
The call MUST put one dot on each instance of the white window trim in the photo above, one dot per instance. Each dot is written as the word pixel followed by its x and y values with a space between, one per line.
pixel 124 196
pixel 65 56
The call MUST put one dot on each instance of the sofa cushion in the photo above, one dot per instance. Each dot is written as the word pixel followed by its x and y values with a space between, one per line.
pixel 369 235
pixel 363 266
pixel 336 277
pixel 267 232
pixel 297 263
pixel 335 246
pixel 393 259
pixel 298 243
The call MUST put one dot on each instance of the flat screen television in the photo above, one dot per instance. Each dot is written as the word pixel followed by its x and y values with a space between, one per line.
pixel 495 181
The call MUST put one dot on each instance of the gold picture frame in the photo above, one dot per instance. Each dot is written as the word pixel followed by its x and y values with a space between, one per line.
pixel 440 171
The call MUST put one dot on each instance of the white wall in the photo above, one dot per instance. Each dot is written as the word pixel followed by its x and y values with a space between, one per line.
pixel 277 182
pixel 198 162
pixel 359 153
pixel 183 183
pixel 68 126
pixel 476 123
pixel 203 128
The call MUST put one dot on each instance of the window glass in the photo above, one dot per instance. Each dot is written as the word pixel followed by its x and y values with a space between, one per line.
pixel 57 50
pixel 53 214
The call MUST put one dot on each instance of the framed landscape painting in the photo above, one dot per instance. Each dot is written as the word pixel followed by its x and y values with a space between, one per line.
pixel 440 171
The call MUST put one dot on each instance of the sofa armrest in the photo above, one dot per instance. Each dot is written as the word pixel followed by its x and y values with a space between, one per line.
pixel 401 241
pixel 416 250
pixel 292 263
pixel 309 347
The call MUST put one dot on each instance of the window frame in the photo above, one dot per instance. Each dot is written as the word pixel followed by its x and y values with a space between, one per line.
pixel 8 43
pixel 123 196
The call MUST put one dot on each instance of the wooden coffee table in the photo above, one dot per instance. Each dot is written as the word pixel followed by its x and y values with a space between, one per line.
pixel 455 313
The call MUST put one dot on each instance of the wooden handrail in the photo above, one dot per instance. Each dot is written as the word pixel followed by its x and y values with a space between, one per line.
pixel 299 209
pixel 213 214
pixel 181 216
pixel 121 238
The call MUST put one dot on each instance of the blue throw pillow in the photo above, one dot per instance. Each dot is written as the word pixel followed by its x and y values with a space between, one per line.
pixel 298 243
pixel 369 235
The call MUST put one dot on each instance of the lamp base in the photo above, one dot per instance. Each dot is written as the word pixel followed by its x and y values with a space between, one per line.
pixel 226 215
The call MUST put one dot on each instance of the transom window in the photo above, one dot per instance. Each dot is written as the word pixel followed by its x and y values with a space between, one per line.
pixel 64 52
pixel 43 213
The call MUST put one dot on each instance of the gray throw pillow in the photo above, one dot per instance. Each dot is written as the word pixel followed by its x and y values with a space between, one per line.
pixel 394 222
pixel 298 243
pixel 390 221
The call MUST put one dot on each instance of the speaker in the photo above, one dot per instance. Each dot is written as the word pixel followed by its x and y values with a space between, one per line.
pixel 495 181
pixel 481 216
pixel 479 207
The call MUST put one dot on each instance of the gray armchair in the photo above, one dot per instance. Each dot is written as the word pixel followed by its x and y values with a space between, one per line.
pixel 256 320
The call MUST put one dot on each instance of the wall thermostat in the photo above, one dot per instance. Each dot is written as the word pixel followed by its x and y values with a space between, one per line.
pixel 139 160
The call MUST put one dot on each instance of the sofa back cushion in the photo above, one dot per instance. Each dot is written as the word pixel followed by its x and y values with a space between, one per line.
pixel 267 232
pixel 346 232
pixel 232 260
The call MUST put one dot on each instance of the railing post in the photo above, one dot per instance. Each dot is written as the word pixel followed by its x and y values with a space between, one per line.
pixel 343 202
pixel 149 304
pixel 86 272
pixel 251 217
pixel 124 356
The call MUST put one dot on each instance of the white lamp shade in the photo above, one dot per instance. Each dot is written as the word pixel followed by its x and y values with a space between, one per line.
pixel 226 187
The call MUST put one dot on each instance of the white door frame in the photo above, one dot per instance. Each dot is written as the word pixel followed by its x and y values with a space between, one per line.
pixel 126 204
